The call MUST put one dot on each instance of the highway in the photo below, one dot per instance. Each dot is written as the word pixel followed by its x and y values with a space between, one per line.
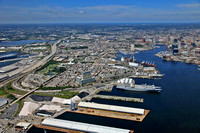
pixel 45 59
pixel 28 70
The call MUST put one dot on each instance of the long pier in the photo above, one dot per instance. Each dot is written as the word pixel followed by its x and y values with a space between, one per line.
pixel 111 114
pixel 128 99
pixel 77 127
pixel 111 111
pixel 57 129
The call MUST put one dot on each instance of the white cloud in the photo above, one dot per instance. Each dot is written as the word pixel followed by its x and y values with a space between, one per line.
pixel 189 5
pixel 81 12
pixel 103 13
pixel 109 7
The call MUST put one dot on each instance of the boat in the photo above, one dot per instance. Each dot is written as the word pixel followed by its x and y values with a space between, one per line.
pixel 129 84
pixel 148 64
pixel 8 56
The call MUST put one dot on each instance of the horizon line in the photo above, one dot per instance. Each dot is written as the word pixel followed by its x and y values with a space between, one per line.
pixel 104 23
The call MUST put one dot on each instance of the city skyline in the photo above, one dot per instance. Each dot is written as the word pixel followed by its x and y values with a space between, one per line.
pixel 126 11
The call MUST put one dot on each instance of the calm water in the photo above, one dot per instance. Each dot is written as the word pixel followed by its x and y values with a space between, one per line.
pixel 22 42
pixel 2 64
pixel 19 55
pixel 175 109
pixel 17 43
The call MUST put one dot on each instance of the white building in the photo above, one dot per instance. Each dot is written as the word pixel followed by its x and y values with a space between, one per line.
pixel 3 102
pixel 132 47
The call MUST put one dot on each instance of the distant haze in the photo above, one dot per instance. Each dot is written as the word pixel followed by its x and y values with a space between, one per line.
pixel 99 11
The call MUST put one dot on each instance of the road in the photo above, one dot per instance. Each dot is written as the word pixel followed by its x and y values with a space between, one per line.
pixel 34 66
pixel 27 70
pixel 45 59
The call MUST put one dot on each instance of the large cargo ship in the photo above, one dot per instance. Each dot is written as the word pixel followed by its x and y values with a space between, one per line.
pixel 8 56
pixel 148 64
pixel 129 84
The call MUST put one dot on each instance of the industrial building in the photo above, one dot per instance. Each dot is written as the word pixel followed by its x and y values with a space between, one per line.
pixel 83 127
pixel 3 102
pixel 112 108
pixel 44 113
pixel 3 77
pixel 22 127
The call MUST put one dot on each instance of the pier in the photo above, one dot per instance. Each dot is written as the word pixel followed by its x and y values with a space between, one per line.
pixel 77 127
pixel 128 99
pixel 111 114
pixel 111 111
pixel 58 129
pixel 142 76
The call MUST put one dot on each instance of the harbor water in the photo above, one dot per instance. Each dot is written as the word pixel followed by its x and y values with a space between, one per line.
pixel 175 109
pixel 21 42
pixel 18 43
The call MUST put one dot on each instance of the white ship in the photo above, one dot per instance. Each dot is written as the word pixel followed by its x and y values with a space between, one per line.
pixel 129 84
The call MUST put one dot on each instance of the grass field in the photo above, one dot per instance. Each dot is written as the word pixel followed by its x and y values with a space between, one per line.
pixel 50 68
pixel 62 94
pixel 3 92
pixel 15 91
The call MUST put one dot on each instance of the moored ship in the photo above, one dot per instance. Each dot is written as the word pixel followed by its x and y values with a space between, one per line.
pixel 148 64
pixel 129 84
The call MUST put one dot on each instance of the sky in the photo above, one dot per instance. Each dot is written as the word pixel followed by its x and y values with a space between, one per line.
pixel 99 11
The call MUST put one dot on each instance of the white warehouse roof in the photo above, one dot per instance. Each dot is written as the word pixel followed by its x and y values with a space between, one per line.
pixel 3 102
pixel 112 108
pixel 81 126
pixel 25 125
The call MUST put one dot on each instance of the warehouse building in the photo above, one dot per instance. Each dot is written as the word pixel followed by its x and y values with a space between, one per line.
pixel 3 102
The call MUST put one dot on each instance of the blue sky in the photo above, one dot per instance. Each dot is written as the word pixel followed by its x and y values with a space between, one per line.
pixel 99 11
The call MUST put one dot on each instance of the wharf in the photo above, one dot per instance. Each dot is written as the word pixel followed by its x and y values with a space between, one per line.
pixel 141 76
pixel 58 129
pixel 112 111
pixel 97 89
pixel 111 114
pixel 128 99
pixel 77 127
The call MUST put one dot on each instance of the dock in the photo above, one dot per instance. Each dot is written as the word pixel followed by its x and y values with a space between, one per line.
pixel 58 129
pixel 128 99
pixel 141 76
pixel 77 127
pixel 111 111
pixel 97 89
